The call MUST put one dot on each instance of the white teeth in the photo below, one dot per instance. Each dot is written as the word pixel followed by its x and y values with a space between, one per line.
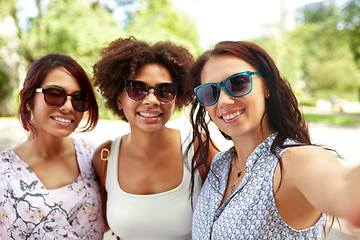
pixel 233 115
pixel 62 120
pixel 148 115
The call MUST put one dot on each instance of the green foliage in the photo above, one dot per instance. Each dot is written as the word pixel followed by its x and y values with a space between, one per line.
pixel 5 89
pixel 321 13
pixel 76 28
pixel 341 120
pixel 7 8
pixel 317 57
pixel 320 57
pixel 351 21
pixel 327 65
pixel 8 67
pixel 285 54
pixel 157 20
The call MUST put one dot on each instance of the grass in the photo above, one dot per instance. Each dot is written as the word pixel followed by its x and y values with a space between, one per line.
pixel 340 120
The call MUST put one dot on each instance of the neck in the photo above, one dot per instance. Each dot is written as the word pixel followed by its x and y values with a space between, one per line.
pixel 150 142
pixel 46 146
pixel 247 143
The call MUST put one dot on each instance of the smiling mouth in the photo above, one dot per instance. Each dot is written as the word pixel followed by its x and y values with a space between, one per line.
pixel 149 115
pixel 63 120
pixel 233 115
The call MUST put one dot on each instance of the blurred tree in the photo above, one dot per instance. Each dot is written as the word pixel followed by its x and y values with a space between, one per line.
pixel 283 51
pixel 111 5
pixel 77 28
pixel 5 88
pixel 319 12
pixel 327 64
pixel 351 21
pixel 80 28
pixel 158 20
pixel 9 56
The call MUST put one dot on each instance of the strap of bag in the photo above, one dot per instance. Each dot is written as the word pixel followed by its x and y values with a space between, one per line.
pixel 104 156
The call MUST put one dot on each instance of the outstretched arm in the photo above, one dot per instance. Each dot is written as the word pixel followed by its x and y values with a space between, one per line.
pixel 326 184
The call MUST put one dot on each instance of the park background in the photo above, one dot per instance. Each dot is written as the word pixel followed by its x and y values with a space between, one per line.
pixel 315 44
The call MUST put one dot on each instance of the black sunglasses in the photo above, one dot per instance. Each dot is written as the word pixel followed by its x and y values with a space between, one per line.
pixel 237 85
pixel 56 97
pixel 138 90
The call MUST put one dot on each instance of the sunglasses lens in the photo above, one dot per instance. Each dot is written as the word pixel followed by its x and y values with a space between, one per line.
pixel 238 85
pixel 136 90
pixel 80 101
pixel 165 92
pixel 55 97
pixel 207 94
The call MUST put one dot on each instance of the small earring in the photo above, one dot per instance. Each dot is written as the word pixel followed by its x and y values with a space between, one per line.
pixel 268 95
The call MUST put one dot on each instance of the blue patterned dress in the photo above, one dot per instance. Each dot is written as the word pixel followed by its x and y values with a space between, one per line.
pixel 250 212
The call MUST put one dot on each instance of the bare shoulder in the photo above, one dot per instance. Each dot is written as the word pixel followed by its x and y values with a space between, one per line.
pixel 308 154
pixel 304 161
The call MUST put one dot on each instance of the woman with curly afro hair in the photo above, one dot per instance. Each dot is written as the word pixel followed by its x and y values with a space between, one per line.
pixel 146 181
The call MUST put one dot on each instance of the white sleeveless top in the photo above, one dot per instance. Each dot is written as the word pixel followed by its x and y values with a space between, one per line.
pixel 165 215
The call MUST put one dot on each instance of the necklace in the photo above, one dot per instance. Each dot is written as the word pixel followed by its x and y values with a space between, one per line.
pixel 239 172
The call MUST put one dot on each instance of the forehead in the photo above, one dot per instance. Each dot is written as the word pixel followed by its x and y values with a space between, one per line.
pixel 154 73
pixel 218 68
pixel 61 77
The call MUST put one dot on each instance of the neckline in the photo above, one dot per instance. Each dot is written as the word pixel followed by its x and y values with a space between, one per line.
pixel 115 171
pixel 34 176
pixel 257 153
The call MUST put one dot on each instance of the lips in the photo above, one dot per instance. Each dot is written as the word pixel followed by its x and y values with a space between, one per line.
pixel 231 116
pixel 63 120
pixel 149 115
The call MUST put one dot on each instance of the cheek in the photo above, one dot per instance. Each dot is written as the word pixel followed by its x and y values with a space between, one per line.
pixel 168 110
pixel 39 100
pixel 79 115
pixel 39 106
pixel 211 112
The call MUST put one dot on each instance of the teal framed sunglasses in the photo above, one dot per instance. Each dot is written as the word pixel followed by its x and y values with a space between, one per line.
pixel 237 85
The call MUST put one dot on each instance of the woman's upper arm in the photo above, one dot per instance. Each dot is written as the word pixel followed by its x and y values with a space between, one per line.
pixel 319 176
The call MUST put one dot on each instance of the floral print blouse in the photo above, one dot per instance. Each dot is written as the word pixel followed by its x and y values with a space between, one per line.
pixel 30 211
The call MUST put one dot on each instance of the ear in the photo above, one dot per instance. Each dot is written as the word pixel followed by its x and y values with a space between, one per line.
pixel 119 102
pixel 27 105
pixel 267 93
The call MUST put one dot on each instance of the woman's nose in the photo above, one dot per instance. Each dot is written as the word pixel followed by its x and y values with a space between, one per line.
pixel 224 98
pixel 67 106
pixel 151 98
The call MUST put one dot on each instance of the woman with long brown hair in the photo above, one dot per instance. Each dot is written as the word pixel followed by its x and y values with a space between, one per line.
pixel 273 183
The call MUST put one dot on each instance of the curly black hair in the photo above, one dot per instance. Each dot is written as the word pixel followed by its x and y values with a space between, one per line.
pixel 123 59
